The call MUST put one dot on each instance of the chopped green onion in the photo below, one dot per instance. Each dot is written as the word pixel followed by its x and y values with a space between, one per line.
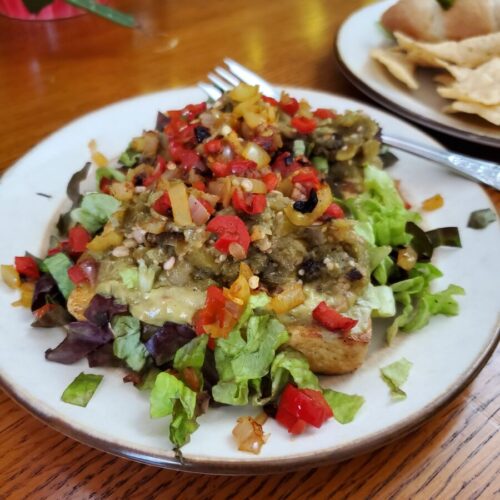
pixel 299 148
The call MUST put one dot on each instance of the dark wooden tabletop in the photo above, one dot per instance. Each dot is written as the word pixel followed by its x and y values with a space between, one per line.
pixel 53 72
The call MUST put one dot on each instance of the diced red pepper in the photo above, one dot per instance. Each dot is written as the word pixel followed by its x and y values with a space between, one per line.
pixel 105 185
pixel 248 203
pixel 213 147
pixel 334 211
pixel 42 311
pixel 186 157
pixel 27 267
pixel 270 100
pixel 323 113
pixel 192 111
pixel 162 205
pixel 220 169
pixel 214 304
pixel 185 134
pixel 285 164
pixel 304 125
pixel 78 238
pixel 77 275
pixel 270 180
pixel 229 229
pixel 242 167
pixel 289 105
pixel 200 186
pixel 333 320
pixel 53 251
pixel 160 168
pixel 298 407
pixel 308 177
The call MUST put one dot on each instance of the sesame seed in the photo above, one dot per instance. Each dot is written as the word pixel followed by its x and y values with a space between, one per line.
pixel 169 264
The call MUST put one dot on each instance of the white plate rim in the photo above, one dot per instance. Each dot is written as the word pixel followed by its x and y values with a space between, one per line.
pixel 265 466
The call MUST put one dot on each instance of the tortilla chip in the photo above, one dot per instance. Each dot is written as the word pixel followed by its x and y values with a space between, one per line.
pixel 398 65
pixel 489 113
pixel 444 79
pixel 469 53
pixel 481 85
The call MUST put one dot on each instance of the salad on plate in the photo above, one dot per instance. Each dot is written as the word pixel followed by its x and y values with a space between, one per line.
pixel 230 256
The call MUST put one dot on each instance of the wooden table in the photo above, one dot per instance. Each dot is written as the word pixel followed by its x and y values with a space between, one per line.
pixel 53 72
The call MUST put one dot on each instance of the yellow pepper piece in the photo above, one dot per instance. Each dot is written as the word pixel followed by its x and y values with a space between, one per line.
pixel 180 207
pixel 27 290
pixel 299 219
pixel 289 298
pixel 433 203
pixel 104 241
pixel 11 277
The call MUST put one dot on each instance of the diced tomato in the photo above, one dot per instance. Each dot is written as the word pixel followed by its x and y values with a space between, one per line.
pixel 185 134
pixel 208 207
pixel 229 229
pixel 270 100
pixel 162 205
pixel 334 211
pixel 285 164
pixel 242 167
pixel 77 275
pixel 220 169
pixel 303 125
pixel 308 177
pixel 200 186
pixel 27 267
pixel 213 147
pixel 248 203
pixel 186 157
pixel 298 407
pixel 323 113
pixel 270 180
pixel 104 185
pixel 157 172
pixel 78 238
pixel 333 320
pixel 42 311
pixel 289 105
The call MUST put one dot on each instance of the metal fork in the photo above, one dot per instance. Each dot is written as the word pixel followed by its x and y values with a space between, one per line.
pixel 224 79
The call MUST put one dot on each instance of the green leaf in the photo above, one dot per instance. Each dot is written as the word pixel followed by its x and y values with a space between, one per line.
pixel 35 6
pixel 129 157
pixel 231 393
pixel 191 355
pixel 181 426
pixel 109 173
pixel 127 344
pixel 146 276
pixel 81 390
pixel 321 163
pixel 130 277
pixel 58 265
pixel 395 375
pixel 108 13
pixel 380 299
pixel 344 406
pixel 166 391
pixel 295 364
pixel 95 210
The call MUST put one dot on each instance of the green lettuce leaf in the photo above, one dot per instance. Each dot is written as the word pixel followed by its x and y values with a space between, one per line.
pixel 191 355
pixel 181 426
pixel 109 173
pixel 95 210
pixel 129 157
pixel 166 391
pixel 381 301
pixel 81 390
pixel 395 375
pixel 344 406
pixel 127 344
pixel 58 265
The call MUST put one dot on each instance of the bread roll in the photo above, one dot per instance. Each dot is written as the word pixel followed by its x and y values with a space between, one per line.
pixel 427 20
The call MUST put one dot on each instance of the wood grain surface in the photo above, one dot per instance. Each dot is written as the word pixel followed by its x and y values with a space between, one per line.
pixel 53 72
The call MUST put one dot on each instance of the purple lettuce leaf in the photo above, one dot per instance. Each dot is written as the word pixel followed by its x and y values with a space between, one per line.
pixel 56 316
pixel 167 340
pixel 102 309
pixel 104 356
pixel 82 338
pixel 46 291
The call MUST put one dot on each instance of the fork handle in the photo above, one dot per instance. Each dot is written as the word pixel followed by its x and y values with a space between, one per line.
pixel 484 171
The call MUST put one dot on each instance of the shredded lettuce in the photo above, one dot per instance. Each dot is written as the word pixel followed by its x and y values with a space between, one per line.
pixel 129 157
pixel 81 390
pixel 395 375
pixel 170 396
pixel 58 265
pixel 381 301
pixel 127 344
pixel 344 406
pixel 109 173
pixel 95 210
pixel 191 355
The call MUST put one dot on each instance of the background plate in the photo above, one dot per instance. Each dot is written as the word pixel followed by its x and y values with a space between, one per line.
pixel 357 37
pixel 446 354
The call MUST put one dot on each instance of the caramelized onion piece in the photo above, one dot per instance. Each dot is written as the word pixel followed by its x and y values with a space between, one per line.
pixel 249 435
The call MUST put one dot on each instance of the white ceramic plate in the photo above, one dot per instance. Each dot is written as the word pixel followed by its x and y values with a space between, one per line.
pixel 446 354
pixel 357 37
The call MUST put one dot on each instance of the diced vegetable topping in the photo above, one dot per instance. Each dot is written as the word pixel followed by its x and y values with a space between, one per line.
pixel 81 390
pixel 27 267
pixel 332 320
pixel 230 230
pixel 395 375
